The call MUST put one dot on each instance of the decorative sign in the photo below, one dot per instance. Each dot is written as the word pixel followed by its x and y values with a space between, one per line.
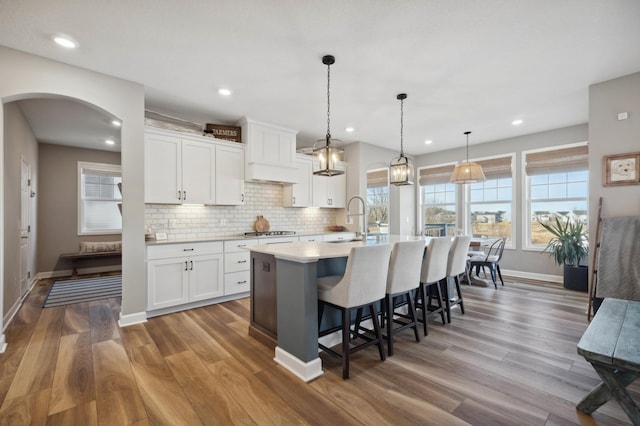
pixel 228 133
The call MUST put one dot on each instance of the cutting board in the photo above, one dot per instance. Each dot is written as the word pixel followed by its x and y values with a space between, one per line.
pixel 262 224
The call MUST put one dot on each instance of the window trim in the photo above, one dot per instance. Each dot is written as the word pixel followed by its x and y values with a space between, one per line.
pixel 514 213
pixel 526 205
pixel 458 201
pixel 111 168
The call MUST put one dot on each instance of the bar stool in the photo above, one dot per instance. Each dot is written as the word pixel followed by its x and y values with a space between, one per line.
pixel 403 279
pixel 457 265
pixel 362 285
pixel 434 270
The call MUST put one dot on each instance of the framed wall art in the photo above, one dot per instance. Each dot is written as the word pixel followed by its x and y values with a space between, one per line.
pixel 621 169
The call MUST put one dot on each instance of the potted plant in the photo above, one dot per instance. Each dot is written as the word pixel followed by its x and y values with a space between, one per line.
pixel 569 245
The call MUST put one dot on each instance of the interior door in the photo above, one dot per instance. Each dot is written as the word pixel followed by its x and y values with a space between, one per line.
pixel 25 225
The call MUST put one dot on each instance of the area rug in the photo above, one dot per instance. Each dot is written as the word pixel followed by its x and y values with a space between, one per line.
pixel 68 292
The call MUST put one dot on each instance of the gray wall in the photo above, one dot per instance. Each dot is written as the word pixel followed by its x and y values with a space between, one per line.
pixel 25 76
pixel 58 204
pixel 516 259
pixel 20 143
pixel 609 136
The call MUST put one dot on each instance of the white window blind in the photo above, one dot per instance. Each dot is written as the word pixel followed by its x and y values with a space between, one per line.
pixel 99 198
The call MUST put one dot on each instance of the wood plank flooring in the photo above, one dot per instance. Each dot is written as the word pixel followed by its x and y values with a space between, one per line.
pixel 510 360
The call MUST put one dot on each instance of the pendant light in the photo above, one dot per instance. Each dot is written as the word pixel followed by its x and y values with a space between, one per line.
pixel 467 172
pixel 401 169
pixel 328 151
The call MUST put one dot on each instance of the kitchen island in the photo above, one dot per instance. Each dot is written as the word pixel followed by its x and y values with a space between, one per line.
pixel 283 279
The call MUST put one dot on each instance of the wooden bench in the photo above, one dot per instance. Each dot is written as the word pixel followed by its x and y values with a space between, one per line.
pixel 75 257
pixel 612 345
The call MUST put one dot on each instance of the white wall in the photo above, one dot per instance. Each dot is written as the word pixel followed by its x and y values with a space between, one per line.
pixel 23 75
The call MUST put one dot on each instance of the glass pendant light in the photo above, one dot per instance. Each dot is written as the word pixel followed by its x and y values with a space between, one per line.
pixel 467 172
pixel 328 151
pixel 401 169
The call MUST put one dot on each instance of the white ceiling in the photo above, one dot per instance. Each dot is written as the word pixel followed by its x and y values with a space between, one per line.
pixel 465 64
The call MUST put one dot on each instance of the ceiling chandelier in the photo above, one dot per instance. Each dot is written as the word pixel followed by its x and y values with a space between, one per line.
pixel 467 172
pixel 401 169
pixel 328 151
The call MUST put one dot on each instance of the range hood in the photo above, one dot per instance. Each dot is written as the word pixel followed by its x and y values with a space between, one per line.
pixel 270 152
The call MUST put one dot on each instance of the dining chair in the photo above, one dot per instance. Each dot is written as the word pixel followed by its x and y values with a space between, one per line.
pixel 491 260
pixel 362 285
pixel 432 274
pixel 456 266
pixel 403 279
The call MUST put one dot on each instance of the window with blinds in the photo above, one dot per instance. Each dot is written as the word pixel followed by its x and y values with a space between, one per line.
pixel 491 204
pixel 378 201
pixel 99 198
pixel 556 184
pixel 437 200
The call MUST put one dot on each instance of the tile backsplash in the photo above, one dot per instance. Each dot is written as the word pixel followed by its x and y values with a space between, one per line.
pixel 198 221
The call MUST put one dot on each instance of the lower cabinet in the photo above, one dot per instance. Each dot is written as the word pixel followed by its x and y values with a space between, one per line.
pixel 182 273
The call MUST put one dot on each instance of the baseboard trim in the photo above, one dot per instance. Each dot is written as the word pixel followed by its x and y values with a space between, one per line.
pixel 533 276
pixel 131 319
pixel 6 320
pixel 3 343
pixel 305 371
pixel 81 271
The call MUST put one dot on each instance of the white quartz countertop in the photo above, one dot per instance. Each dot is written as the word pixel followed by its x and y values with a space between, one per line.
pixel 306 252
pixel 236 237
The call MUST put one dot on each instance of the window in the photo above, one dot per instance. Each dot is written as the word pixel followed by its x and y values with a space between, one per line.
pixel 378 201
pixel 557 182
pixel 99 199
pixel 437 200
pixel 490 203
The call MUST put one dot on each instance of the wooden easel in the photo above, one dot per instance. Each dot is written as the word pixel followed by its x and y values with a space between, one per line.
pixel 594 271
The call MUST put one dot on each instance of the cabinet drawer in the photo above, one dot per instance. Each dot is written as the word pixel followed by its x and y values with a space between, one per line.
pixel 234 262
pixel 165 251
pixel 316 238
pixel 236 282
pixel 339 236
pixel 232 246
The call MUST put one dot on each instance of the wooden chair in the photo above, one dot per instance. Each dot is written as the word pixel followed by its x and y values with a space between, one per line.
pixel 362 285
pixel 433 272
pixel 456 266
pixel 402 281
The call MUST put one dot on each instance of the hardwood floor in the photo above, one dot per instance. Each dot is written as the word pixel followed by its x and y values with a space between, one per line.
pixel 510 360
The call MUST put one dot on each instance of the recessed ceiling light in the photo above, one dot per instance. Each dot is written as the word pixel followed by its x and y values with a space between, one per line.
pixel 65 41
pixel 516 122
pixel 349 129
pixel 428 142
pixel 117 123
pixel 225 92
pixel 109 142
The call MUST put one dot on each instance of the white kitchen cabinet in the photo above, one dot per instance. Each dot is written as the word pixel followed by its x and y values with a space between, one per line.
pixel 330 191
pixel 299 194
pixel 271 151
pixel 236 266
pixel 339 236
pixel 182 273
pixel 178 170
pixel 229 175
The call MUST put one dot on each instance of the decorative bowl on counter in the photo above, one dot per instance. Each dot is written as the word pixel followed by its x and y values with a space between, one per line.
pixel 337 228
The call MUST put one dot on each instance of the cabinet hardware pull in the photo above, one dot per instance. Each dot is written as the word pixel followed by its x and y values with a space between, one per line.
pixel 191 264
pixel 242 197
pixel 294 200
pixel 242 282
pixel 242 261
pixel 185 265
pixel 184 195
pixel 190 249
pixel 179 195
pixel 242 245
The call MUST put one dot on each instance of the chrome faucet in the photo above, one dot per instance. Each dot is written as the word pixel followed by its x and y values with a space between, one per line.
pixel 362 234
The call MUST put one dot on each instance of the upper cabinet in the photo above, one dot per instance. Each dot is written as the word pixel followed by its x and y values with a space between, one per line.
pixel 330 191
pixel 270 152
pixel 189 169
pixel 299 194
